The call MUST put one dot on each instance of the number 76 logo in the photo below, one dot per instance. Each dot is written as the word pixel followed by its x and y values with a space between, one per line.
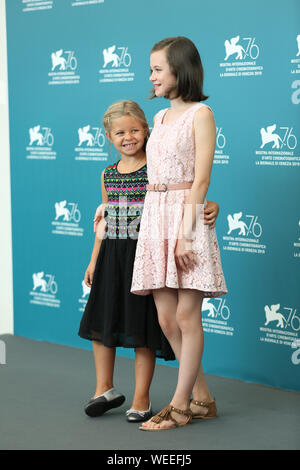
pixel 118 60
pixel 283 138
pixel 235 223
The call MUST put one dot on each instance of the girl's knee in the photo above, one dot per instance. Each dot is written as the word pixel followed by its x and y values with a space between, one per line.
pixel 168 324
pixel 187 321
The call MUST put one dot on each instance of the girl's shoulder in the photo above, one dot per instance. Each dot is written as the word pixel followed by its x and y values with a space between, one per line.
pixel 203 109
pixel 111 167
pixel 203 114
pixel 159 115
pixel 108 172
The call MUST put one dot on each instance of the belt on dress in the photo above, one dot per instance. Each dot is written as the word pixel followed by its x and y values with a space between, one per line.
pixel 162 187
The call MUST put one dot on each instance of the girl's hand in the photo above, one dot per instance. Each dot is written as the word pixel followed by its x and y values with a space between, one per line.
pixel 211 212
pixel 98 215
pixel 89 274
pixel 185 258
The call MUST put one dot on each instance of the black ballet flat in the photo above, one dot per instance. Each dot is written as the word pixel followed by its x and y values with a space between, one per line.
pixel 99 405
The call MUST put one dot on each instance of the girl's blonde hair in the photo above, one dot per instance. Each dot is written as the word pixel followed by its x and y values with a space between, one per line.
pixel 124 108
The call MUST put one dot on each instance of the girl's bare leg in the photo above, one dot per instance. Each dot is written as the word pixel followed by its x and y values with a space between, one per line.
pixel 190 378
pixel 144 369
pixel 201 392
pixel 104 358
pixel 188 318
pixel 166 301
pixel 185 334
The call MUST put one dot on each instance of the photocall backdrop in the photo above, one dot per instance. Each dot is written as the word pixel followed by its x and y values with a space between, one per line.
pixel 68 60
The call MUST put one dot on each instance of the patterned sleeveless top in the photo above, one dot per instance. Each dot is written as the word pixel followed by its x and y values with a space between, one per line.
pixel 126 193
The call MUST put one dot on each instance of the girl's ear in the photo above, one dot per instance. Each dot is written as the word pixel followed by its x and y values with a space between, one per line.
pixel 108 136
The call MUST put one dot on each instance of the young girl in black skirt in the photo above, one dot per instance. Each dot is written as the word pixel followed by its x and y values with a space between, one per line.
pixel 113 316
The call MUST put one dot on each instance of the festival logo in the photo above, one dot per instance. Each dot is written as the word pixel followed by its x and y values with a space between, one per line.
pixel 91 144
pixel 221 157
pixel 281 327
pixel 244 234
pixel 272 314
pixel 216 317
pixel 63 68
pixel 67 218
pixel 44 290
pixel 116 65
pixel 41 141
pixel 278 145
pixel 36 5
pixel 295 61
pixel 241 55
pixel 84 296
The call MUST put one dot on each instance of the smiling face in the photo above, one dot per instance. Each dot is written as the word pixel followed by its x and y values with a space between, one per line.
pixel 164 81
pixel 127 135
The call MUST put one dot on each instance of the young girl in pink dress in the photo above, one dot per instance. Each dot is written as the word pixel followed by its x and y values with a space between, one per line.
pixel 177 256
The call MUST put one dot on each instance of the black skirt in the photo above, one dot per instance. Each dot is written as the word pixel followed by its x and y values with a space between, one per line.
pixel 113 315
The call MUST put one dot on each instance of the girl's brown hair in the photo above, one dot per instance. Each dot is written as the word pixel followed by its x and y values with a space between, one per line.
pixel 185 63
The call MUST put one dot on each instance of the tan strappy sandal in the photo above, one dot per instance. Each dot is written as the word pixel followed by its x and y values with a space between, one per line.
pixel 165 415
pixel 211 409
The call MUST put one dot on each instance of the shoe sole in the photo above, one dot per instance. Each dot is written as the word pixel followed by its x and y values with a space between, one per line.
pixel 99 408
pixel 203 417
pixel 139 420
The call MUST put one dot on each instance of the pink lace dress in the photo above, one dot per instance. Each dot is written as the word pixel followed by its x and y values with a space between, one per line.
pixel 171 159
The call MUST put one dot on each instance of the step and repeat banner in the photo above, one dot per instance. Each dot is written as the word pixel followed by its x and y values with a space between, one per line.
pixel 68 60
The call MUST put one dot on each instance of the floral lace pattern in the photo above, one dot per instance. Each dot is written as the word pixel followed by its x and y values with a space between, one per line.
pixel 171 159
